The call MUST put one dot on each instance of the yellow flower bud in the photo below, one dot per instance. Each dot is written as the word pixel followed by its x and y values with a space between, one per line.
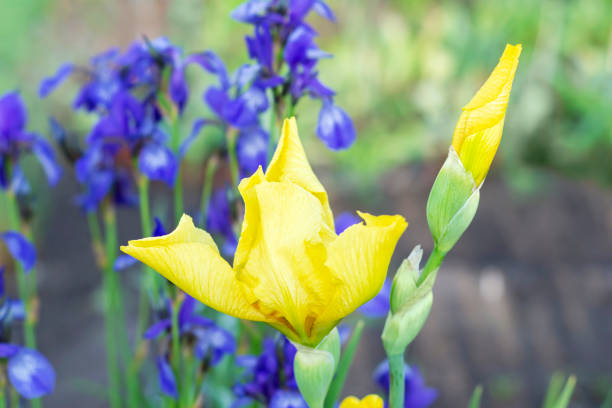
pixel 371 401
pixel 480 126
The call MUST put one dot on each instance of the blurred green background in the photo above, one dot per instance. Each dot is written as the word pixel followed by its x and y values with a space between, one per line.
pixel 402 70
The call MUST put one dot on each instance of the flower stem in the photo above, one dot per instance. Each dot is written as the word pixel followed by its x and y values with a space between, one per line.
pixel 176 345
pixel 232 135
pixel 344 366
pixel 211 167
pixel 175 140
pixel 23 287
pixel 433 262
pixel 397 383
pixel 112 356
pixel 272 126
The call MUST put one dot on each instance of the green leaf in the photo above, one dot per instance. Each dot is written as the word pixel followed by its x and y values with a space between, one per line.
pixel 343 367
pixel 476 396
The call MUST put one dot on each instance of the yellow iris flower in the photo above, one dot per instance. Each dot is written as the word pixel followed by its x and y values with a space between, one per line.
pixel 480 126
pixel 290 269
pixel 371 401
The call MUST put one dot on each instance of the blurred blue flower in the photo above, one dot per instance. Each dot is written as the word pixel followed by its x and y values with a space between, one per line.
pixel 267 374
pixel 20 248
pixel 281 25
pixel 219 220
pixel 167 381
pixel 15 141
pixel 287 399
pixel 335 128
pixel 345 220
pixel 379 306
pixel 417 394
pixel 211 341
pixel 29 371
pixel 252 150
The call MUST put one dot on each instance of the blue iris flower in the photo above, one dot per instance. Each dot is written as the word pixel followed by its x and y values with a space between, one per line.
pixel 16 140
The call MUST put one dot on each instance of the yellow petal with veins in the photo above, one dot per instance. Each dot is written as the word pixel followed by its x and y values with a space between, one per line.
pixel 359 258
pixel 189 258
pixel 479 129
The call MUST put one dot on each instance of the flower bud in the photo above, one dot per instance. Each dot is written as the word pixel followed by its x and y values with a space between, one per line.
pixel 452 203
pixel 331 344
pixel 410 305
pixel 313 370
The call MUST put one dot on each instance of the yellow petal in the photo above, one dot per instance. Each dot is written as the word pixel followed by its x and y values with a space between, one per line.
pixel 290 163
pixel 189 258
pixel 479 129
pixel 371 401
pixel 359 258
pixel 350 402
pixel 281 255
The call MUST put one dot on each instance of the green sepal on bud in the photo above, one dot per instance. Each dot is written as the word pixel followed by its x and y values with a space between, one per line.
pixel 314 368
pixel 410 304
pixel 452 203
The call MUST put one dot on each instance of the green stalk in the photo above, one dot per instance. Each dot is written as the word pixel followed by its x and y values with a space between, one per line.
pixel 344 366
pixel 272 126
pixel 14 396
pixel 3 392
pixel 211 167
pixel 433 262
pixel 231 135
pixel 118 315
pixel 396 371
pixel 175 140
pixel 176 346
pixel 112 355
pixel 29 328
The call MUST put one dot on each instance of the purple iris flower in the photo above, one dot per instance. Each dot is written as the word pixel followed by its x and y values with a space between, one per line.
pixel 30 373
pixel 267 374
pixel 20 248
pixel 335 128
pixel 345 220
pixel 219 220
pixel 417 394
pixel 15 140
pixel 212 342
pixel 252 150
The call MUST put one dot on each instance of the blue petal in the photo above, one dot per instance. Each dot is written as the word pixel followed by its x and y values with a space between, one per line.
pixel 46 156
pixel 177 87
pixel 17 309
pixel 31 373
pixel 159 229
pixel 20 248
pixel 124 261
pixel 8 350
pixel 19 183
pixel 49 84
pixel 321 8
pixel 214 342
pixel 157 162
pixel 250 11
pixel 216 99
pixel 186 310
pixel 245 74
pixel 167 382
pixel 3 180
pixel 345 220
pixel 379 305
pixel 252 150
pixel 157 328
pixel 287 399
pixel 195 132
pixel 335 128
pixel 211 63
pixel 13 114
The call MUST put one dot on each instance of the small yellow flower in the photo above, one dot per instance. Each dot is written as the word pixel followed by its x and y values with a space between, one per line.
pixel 480 126
pixel 290 269
pixel 371 401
